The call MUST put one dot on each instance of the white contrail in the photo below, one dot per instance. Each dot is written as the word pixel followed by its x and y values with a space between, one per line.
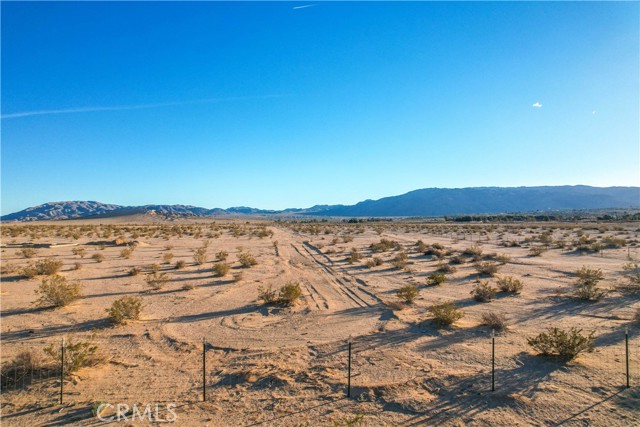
pixel 303 6
pixel 132 107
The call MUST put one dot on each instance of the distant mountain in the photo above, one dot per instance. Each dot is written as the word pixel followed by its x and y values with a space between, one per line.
pixel 491 200
pixel 425 202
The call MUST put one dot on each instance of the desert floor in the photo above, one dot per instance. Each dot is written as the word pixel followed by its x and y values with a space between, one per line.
pixel 287 366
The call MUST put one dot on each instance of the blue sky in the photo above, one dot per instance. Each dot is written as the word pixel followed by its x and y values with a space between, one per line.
pixel 268 105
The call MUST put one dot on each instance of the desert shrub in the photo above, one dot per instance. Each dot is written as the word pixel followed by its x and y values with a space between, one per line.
pixel 167 257
pixel 502 258
pixel 48 266
pixel 509 284
pixel 76 355
pixel 188 286
pixel 385 245
pixel 56 291
pixel 156 280
pixel 457 259
pixel 289 293
pixel 636 317
pixel 445 268
pixel 97 257
pixel 487 268
pixel 134 271
pixel 537 250
pixel 30 271
pixel 586 286
pixel 236 277
pixel 435 250
pixel 421 246
pixel 267 295
pixel 168 247
pixel 560 343
pixel 408 293
pixel 354 256
pixel 126 252
pixel 221 269
pixel 475 252
pixel 483 291
pixel 247 260
pixel 124 309
pixel 436 279
pixel 180 264
pixel 222 255
pixel 496 321
pixel 446 313
pixel 370 263
pixel 200 256
pixel 613 242
pixel 27 252
pixel 81 252
pixel 155 267
pixel 77 266
pixel 631 271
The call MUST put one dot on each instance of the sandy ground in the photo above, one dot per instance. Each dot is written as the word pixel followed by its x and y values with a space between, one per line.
pixel 269 365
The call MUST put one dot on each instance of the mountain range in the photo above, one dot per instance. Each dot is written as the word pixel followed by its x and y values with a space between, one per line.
pixel 425 202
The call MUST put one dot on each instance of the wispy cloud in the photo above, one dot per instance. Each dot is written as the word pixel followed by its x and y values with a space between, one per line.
pixel 537 105
pixel 133 107
pixel 304 6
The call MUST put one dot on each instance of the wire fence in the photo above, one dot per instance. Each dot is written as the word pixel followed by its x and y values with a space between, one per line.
pixel 125 368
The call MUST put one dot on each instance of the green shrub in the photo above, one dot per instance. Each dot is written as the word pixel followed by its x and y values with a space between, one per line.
pixel 76 355
pixel 156 280
pixel 267 295
pixel 289 293
pixel 509 284
pixel 408 293
pixel 483 292
pixel 560 343
pixel 586 286
pixel 56 291
pixel 221 269
pixel 124 309
pixel 446 313
pixel 247 260
pixel 436 279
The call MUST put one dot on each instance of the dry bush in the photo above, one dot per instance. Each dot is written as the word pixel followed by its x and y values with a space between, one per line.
pixel 502 258
pixel 496 321
pixel 155 267
pixel 97 257
pixel 445 268
pixel 76 355
pixel 436 279
pixel 446 313
pixel 631 271
pixel 124 309
pixel 221 269
pixel 200 256
pixel 180 265
pixel 483 291
pixel 385 245
pixel 21 369
pixel 77 266
pixel 134 271
pixel 188 286
pixel 408 293
pixel 222 255
pixel 487 268
pixel 421 246
pixel 563 344
pixel 81 252
pixel 30 271
pixel 267 295
pixel 236 277
pixel 289 293
pixel 509 284
pixel 586 286
pixel 457 259
pixel 126 253
pixel 613 242
pixel 26 252
pixel 156 280
pixel 48 266
pixel 247 260
pixel 475 252
pixel 537 250
pixel 354 256
pixel 56 291
pixel 167 257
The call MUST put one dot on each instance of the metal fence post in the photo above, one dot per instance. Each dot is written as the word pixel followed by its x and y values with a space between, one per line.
pixel 626 351
pixel 349 373
pixel 61 370
pixel 493 360
pixel 204 370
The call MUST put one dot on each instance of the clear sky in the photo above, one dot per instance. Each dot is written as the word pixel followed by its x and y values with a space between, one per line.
pixel 273 105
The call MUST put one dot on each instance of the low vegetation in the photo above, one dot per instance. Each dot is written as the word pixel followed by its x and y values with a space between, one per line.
pixel 495 321
pixel 125 309
pixel 287 295
pixel 564 344
pixel 509 284
pixel 408 293
pixel 483 292
pixel 56 291
pixel 446 313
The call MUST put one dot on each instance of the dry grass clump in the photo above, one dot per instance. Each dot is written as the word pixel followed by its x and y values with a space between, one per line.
pixel 222 255
pixel 483 292
pixel 563 344
pixel 125 309
pixel 445 268
pixel 156 280
pixel 631 271
pixel 180 264
pixel 126 252
pixel 400 260
pixel 436 279
pixel 408 293
pixel 221 269
pixel 97 257
pixel 26 252
pixel 134 271
pixel 287 295
pixel 446 313
pixel 474 251
pixel 56 291
pixel 537 250
pixel 21 369
pixel 509 284
pixel 246 260
pixel 354 256
pixel 200 256
pixel 81 252
pixel 487 268
pixel 495 321
pixel 167 257
pixel 48 266
pixel 457 259
pixel 586 287
pixel 385 245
